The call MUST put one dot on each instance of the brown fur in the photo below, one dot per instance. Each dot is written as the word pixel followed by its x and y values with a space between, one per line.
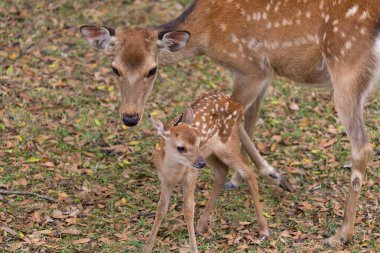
pixel 134 44
pixel 221 150
pixel 330 42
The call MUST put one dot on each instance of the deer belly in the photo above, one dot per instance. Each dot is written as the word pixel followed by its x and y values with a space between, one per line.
pixel 304 69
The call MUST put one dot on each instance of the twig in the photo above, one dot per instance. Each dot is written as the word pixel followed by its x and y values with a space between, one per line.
pixel 145 214
pixel 5 192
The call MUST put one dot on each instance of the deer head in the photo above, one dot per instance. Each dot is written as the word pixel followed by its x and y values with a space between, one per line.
pixel 181 141
pixel 135 61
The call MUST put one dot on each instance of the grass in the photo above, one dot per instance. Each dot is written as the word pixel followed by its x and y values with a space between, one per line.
pixel 59 114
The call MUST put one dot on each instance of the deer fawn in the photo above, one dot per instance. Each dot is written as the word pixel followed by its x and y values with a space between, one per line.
pixel 210 128
pixel 331 42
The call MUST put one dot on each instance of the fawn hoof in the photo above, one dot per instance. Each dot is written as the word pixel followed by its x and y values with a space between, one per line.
pixel 285 184
pixel 230 185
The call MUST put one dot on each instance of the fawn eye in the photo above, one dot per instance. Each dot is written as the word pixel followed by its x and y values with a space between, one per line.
pixel 181 149
pixel 152 72
pixel 115 71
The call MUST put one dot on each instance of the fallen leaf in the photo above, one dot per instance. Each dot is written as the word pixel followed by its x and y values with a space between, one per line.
pixel 71 231
pixel 82 241
pixel 122 236
pixel 294 107
pixel 58 214
pixel 106 240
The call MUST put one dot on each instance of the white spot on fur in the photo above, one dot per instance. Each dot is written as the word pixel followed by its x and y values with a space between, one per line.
pixel 364 16
pixel 351 12
pixel 348 45
pixel 234 39
pixel 287 44
pixel 223 27
pixel 233 55
pixel 327 17
pixel 321 4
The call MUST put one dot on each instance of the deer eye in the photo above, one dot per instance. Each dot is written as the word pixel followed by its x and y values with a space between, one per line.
pixel 115 71
pixel 181 149
pixel 152 72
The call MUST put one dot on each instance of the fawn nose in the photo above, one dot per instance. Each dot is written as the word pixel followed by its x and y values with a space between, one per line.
pixel 199 163
pixel 130 120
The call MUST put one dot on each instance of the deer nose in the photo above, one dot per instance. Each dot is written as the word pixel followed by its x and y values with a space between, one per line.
pixel 130 120
pixel 199 164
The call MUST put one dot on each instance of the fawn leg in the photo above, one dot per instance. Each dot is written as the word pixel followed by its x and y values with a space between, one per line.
pixel 238 163
pixel 221 171
pixel 250 92
pixel 162 208
pixel 189 185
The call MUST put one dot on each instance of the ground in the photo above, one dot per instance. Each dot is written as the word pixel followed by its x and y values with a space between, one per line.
pixel 61 136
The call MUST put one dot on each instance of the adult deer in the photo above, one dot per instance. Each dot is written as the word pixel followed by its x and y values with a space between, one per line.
pixel 331 42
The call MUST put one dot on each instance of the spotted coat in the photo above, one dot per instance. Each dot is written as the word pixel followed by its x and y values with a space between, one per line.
pixel 215 114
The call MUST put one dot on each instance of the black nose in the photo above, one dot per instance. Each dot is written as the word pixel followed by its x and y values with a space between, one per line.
pixel 199 164
pixel 130 120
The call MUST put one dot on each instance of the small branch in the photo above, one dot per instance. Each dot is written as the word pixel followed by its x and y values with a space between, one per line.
pixel 145 214
pixel 5 192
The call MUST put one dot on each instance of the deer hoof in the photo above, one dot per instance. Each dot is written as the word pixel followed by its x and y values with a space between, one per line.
pixel 336 241
pixel 285 184
pixel 347 166
pixel 264 238
pixel 199 230
pixel 230 185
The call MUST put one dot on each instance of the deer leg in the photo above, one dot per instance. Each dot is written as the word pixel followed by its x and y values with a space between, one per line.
pixel 189 185
pixel 221 171
pixel 162 208
pixel 251 115
pixel 248 91
pixel 349 99
pixel 243 168
pixel 237 161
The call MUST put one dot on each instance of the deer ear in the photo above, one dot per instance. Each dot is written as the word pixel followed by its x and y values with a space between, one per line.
pixel 173 41
pixel 99 37
pixel 188 116
pixel 159 126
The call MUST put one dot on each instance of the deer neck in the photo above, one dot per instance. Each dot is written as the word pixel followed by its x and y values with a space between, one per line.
pixel 190 20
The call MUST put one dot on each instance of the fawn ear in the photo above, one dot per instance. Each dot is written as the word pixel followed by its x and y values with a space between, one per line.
pixel 188 116
pixel 99 37
pixel 159 126
pixel 173 41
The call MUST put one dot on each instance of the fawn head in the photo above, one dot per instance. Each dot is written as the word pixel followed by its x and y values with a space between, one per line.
pixel 135 61
pixel 181 141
